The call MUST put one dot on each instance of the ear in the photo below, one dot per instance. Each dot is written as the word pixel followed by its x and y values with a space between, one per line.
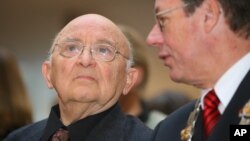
pixel 132 75
pixel 140 75
pixel 46 71
pixel 212 14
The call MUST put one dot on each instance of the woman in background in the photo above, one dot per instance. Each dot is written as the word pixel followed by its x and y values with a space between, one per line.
pixel 132 103
pixel 15 108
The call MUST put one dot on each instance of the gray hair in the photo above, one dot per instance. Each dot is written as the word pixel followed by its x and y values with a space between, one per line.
pixel 130 61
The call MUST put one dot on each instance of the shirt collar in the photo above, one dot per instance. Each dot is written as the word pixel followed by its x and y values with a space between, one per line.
pixel 78 130
pixel 227 85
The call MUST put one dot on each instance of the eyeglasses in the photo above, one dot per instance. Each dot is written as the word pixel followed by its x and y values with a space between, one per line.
pixel 160 21
pixel 102 52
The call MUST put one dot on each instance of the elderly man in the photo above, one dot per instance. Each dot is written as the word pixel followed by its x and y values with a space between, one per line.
pixel 205 43
pixel 89 67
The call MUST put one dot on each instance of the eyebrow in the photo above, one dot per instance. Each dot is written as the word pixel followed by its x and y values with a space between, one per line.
pixel 157 9
pixel 99 41
pixel 71 40
pixel 105 41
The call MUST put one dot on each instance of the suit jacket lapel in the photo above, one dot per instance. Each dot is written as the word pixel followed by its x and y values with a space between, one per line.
pixel 230 116
pixel 199 134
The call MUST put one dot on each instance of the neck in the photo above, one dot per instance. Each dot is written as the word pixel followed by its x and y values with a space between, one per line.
pixel 225 52
pixel 74 111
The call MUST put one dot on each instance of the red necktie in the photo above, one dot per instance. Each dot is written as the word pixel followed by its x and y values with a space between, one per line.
pixel 61 135
pixel 211 113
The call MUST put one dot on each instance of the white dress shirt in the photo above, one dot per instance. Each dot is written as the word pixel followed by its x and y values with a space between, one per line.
pixel 227 85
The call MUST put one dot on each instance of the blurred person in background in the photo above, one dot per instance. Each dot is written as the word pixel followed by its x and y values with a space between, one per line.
pixel 90 68
pixel 133 103
pixel 15 107
pixel 164 104
pixel 168 101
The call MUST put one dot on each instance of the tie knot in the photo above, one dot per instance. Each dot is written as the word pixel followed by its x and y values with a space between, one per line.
pixel 61 135
pixel 211 100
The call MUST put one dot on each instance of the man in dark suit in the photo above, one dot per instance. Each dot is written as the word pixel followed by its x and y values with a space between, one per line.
pixel 205 43
pixel 89 67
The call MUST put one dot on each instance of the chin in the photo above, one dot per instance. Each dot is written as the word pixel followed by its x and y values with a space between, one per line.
pixel 176 78
pixel 83 97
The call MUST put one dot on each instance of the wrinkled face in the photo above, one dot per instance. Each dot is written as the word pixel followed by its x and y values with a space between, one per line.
pixel 179 40
pixel 83 78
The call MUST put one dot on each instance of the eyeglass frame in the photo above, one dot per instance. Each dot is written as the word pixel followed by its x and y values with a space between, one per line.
pixel 90 51
pixel 163 12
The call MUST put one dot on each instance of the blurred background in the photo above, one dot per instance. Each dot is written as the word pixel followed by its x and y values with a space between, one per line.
pixel 27 29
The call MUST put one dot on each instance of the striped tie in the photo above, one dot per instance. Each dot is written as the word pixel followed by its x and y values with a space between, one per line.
pixel 211 113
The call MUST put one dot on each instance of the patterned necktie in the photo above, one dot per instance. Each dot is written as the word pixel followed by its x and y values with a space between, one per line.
pixel 211 113
pixel 61 135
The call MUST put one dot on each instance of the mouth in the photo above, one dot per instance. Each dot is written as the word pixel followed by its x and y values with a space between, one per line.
pixel 85 78
pixel 165 58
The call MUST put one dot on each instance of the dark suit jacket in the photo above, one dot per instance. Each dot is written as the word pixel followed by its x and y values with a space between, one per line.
pixel 170 128
pixel 114 127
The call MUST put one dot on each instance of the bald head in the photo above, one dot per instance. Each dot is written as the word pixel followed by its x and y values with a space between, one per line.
pixel 91 21
pixel 90 25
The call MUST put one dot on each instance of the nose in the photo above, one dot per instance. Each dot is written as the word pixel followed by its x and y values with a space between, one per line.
pixel 85 58
pixel 155 37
